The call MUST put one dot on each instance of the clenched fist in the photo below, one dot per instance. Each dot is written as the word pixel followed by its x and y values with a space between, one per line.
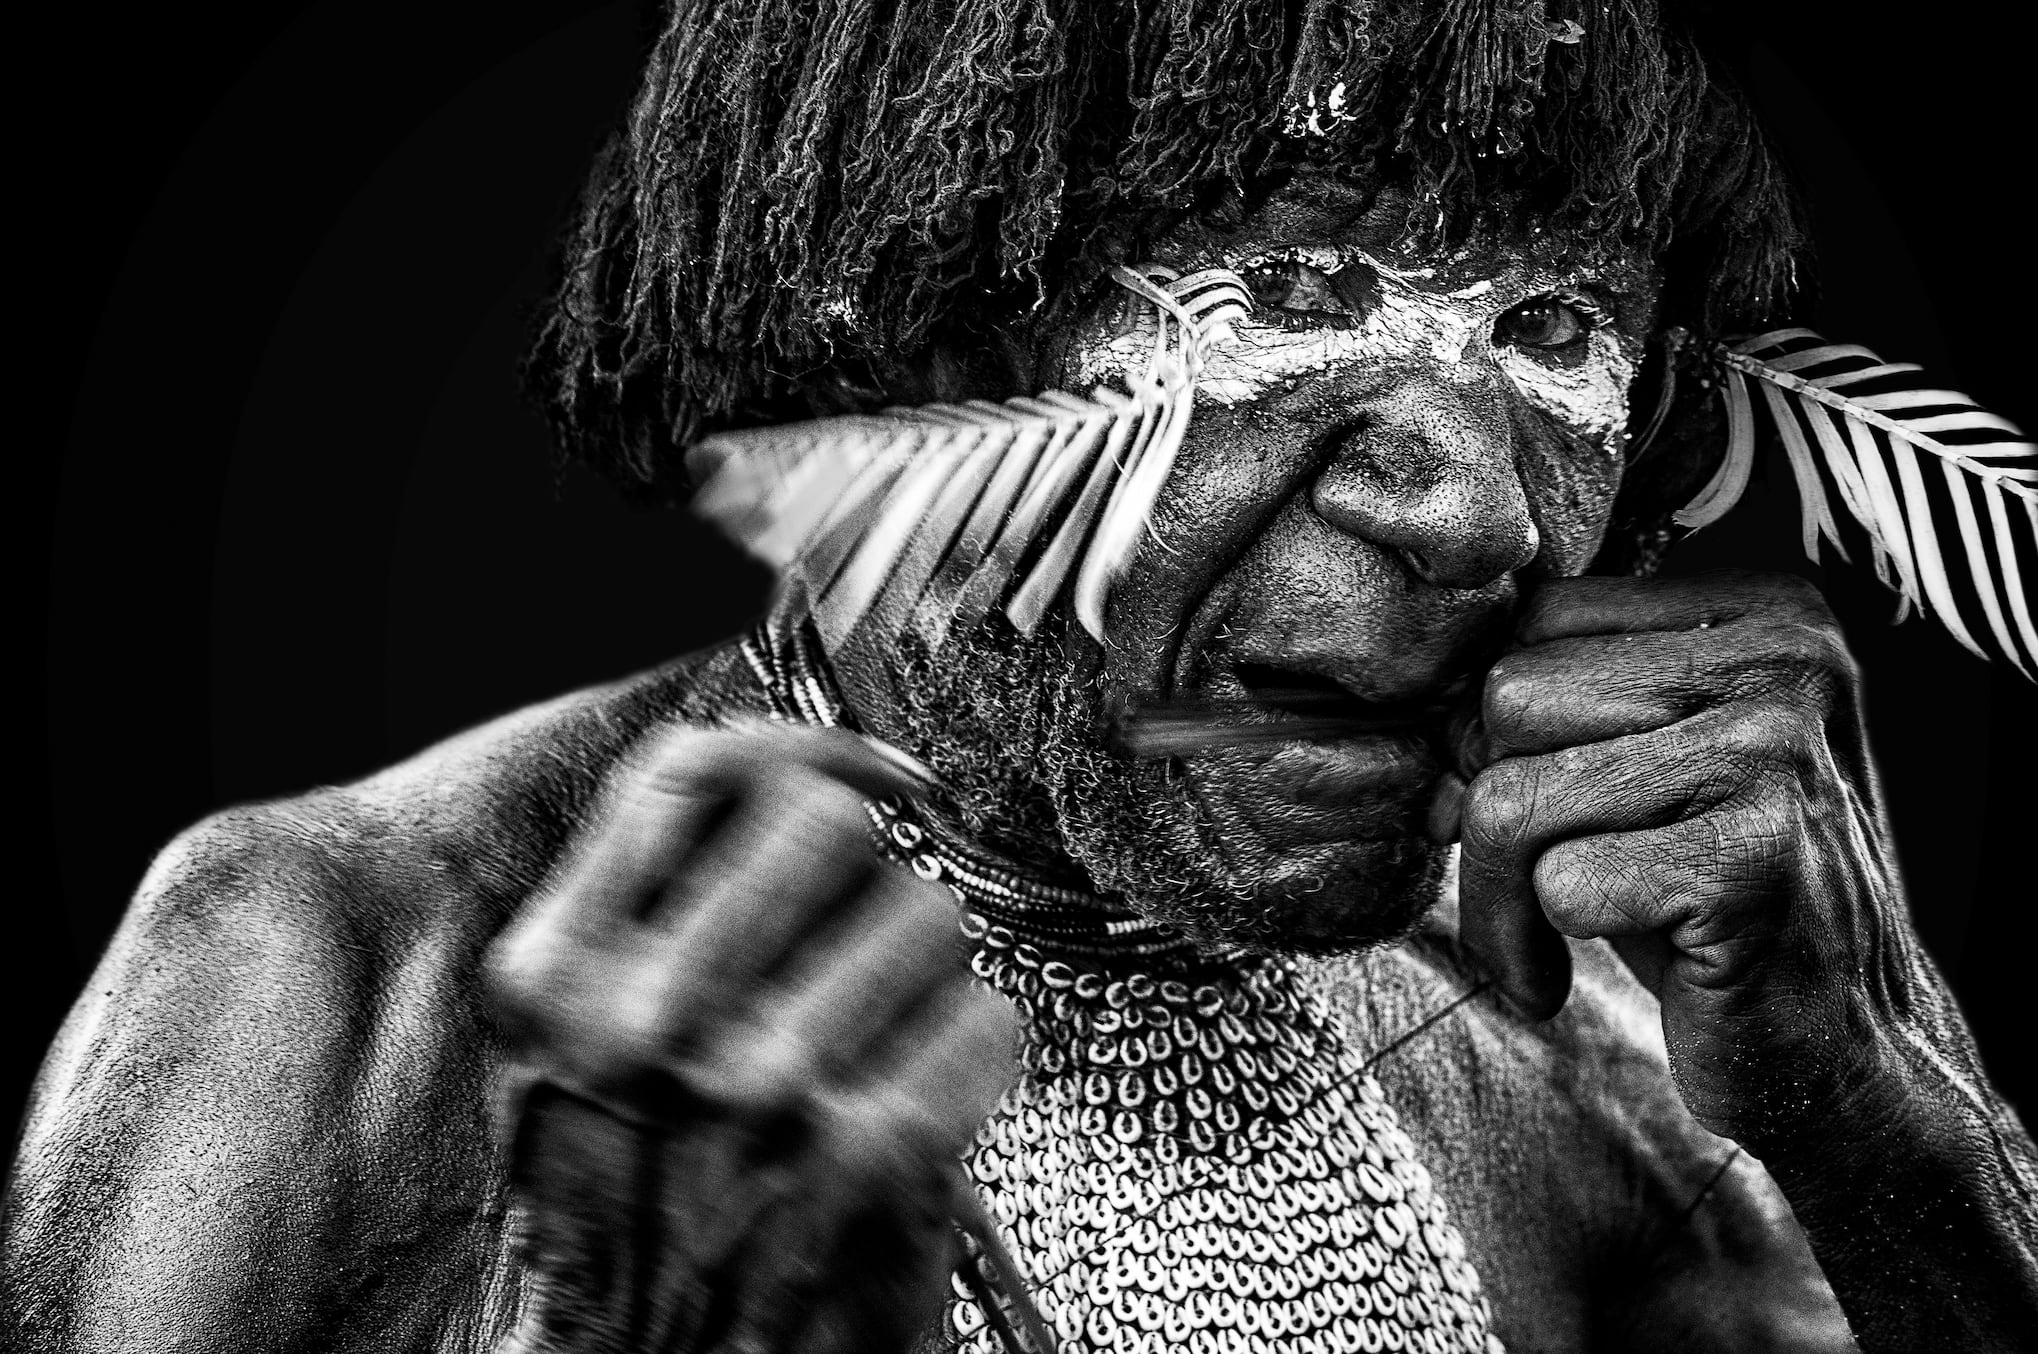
pixel 745 1055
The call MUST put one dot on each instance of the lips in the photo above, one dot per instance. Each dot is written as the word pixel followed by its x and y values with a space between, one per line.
pixel 1256 704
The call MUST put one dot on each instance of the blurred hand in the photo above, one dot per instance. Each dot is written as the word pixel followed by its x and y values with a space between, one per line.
pixel 746 1054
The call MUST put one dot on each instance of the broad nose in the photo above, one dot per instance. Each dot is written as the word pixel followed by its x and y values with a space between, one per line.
pixel 1429 472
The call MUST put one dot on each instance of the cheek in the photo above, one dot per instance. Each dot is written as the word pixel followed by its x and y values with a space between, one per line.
pixel 1236 470
pixel 1569 430
pixel 1570 482
pixel 1590 398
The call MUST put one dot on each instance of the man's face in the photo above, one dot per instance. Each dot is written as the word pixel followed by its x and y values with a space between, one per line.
pixel 1387 452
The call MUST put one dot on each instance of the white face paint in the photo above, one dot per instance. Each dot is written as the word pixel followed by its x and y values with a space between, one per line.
pixel 1411 314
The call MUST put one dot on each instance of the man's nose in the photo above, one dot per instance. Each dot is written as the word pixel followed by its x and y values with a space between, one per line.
pixel 1429 473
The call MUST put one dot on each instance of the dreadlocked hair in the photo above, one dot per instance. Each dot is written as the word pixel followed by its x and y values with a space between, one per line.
pixel 810 184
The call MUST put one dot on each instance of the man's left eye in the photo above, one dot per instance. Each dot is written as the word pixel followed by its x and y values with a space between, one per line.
pixel 1546 322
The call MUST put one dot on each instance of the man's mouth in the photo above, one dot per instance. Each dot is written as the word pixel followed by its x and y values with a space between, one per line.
pixel 1258 703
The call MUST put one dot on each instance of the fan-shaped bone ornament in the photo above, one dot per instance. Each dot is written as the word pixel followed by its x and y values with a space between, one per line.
pixel 926 518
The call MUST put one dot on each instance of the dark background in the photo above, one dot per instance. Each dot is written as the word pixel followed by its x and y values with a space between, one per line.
pixel 285 520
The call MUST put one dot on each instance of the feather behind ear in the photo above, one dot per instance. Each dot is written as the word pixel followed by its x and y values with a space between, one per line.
pixel 922 519
pixel 1945 492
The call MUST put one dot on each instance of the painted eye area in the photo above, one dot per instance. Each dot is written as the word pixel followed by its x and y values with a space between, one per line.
pixel 1296 294
pixel 1549 323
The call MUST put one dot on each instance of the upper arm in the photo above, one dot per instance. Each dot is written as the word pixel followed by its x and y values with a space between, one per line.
pixel 262 1126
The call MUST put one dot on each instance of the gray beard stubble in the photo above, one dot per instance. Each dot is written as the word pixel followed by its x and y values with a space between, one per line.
pixel 1014 727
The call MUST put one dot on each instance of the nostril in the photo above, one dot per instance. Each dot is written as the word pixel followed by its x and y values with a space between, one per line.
pixel 1460 525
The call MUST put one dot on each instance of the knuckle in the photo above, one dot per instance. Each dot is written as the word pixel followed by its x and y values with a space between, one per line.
pixel 1791 590
pixel 1811 645
pixel 621 1041
pixel 828 801
pixel 1765 825
pixel 923 904
pixel 1762 744
pixel 1744 733
pixel 1764 589
pixel 683 754
pixel 521 975
pixel 592 1028
pixel 759 1072
pixel 1569 879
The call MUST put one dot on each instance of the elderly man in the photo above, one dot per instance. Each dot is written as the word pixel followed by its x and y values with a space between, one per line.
pixel 604 1028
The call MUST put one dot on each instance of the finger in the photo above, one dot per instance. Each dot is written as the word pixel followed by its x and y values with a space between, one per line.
pixel 578 1171
pixel 1588 690
pixel 683 785
pixel 1707 883
pixel 711 1197
pixel 1528 960
pixel 844 994
pixel 921 1105
pixel 1561 608
pixel 1619 887
pixel 902 946
pixel 1606 887
pixel 1519 808
pixel 795 851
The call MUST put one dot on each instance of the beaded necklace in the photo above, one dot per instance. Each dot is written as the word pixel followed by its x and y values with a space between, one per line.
pixel 1194 1157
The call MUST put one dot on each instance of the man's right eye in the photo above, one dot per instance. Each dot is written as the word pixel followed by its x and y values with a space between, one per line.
pixel 1296 289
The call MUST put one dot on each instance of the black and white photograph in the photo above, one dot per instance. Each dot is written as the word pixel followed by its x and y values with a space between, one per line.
pixel 1025 677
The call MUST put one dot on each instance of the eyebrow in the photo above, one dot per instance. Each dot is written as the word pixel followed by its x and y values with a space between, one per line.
pixel 1326 206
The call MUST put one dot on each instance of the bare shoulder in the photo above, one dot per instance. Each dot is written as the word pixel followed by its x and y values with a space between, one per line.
pixel 472 823
pixel 275 1081
pixel 1597 1210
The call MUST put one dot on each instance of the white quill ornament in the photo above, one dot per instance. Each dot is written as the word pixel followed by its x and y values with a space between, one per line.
pixel 1945 492
pixel 925 518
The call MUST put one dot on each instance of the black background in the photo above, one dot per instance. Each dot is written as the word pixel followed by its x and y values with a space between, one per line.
pixel 284 520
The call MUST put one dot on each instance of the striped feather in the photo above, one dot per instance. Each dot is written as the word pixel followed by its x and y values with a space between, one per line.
pixel 1944 493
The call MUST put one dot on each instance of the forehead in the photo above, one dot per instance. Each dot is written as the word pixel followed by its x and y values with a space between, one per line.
pixel 1319 210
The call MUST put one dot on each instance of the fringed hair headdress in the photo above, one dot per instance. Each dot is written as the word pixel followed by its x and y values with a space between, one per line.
pixel 803 185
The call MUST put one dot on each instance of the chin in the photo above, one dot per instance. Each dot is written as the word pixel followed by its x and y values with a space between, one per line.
pixel 1334 898
pixel 1228 851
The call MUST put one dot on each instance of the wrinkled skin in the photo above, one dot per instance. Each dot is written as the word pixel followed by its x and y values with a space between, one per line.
pixel 1395 479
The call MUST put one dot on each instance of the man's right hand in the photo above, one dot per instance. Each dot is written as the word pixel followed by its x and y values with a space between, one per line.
pixel 745 1053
